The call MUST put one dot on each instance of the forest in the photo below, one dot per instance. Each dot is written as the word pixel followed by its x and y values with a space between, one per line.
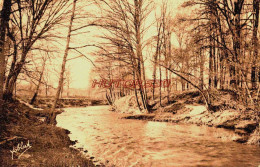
pixel 217 46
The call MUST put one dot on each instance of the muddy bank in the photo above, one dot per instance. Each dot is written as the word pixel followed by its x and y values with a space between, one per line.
pixel 189 108
pixel 49 145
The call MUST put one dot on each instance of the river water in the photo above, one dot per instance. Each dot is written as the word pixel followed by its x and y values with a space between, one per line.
pixel 119 142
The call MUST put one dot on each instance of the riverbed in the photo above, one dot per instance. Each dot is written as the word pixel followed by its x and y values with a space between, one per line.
pixel 113 141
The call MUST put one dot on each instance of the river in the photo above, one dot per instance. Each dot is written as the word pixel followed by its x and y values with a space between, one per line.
pixel 120 142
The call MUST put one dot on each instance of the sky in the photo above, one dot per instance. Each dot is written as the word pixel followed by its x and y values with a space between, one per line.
pixel 81 68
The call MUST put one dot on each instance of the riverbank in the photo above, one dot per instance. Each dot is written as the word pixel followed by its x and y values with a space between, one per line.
pixel 46 102
pixel 188 107
pixel 49 145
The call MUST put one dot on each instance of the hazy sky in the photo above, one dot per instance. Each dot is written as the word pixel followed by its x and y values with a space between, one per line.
pixel 81 68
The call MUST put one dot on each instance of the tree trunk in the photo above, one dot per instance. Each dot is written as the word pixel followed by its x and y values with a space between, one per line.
pixel 160 89
pixel 202 62
pixel 223 52
pixel 156 57
pixel 137 23
pixel 211 63
pixel 52 117
pixel 5 15
pixel 255 44
pixel 39 83
pixel 136 95
pixel 236 44
pixel 215 60
pixel 167 64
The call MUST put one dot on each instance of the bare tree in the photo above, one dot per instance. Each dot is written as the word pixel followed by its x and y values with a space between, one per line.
pixel 124 22
pixel 44 59
pixel 30 22
pixel 61 78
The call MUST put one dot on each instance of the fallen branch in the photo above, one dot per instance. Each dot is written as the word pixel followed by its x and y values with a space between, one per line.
pixel 182 77
pixel 9 139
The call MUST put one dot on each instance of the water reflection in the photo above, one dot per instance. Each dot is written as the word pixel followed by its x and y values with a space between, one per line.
pixel 120 142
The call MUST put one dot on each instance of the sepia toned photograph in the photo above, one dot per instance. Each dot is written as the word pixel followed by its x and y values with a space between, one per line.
pixel 129 83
